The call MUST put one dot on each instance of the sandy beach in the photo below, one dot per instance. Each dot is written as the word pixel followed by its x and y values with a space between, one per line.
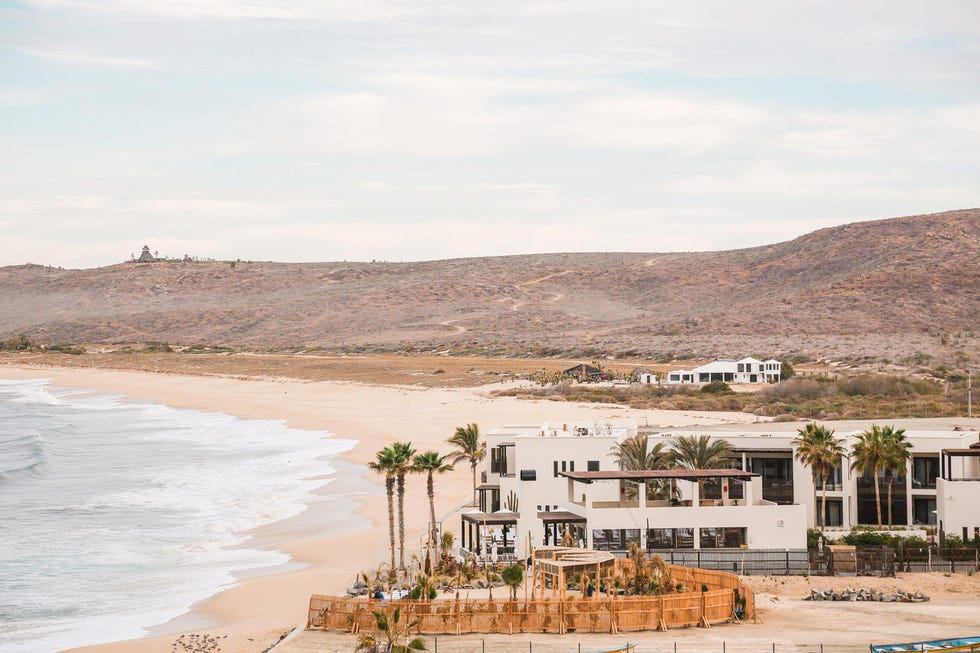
pixel 256 613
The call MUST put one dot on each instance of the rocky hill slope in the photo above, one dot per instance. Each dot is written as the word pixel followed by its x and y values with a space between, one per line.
pixel 911 275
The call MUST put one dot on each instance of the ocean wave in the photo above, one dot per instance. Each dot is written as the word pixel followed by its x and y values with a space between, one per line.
pixel 20 453
pixel 152 506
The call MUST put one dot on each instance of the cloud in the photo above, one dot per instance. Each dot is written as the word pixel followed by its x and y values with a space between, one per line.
pixel 19 97
pixel 650 122
pixel 87 59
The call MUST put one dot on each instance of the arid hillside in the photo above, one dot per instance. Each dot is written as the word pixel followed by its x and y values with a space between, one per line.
pixel 906 280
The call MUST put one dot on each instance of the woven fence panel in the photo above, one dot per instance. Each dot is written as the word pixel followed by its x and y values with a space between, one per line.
pixel 593 615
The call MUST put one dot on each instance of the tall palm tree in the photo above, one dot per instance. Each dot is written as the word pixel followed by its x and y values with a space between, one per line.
pixel 431 463
pixel 898 452
pixel 818 449
pixel 635 453
pixel 869 454
pixel 384 463
pixel 700 452
pixel 468 448
pixel 402 465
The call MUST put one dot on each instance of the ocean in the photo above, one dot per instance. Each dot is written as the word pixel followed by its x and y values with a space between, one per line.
pixel 119 515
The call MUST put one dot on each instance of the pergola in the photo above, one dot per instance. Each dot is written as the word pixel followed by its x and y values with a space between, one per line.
pixel 556 521
pixel 558 562
pixel 946 460
pixel 480 522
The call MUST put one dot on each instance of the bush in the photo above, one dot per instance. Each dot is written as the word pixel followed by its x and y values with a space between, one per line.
pixel 717 388
pixel 21 343
pixel 153 346
pixel 882 385
pixel 786 371
pixel 798 389
pixel 67 349
pixel 813 539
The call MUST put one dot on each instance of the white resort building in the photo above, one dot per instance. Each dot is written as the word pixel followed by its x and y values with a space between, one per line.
pixel 542 480
pixel 729 370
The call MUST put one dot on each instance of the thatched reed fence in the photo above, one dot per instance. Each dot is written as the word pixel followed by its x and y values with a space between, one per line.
pixel 543 615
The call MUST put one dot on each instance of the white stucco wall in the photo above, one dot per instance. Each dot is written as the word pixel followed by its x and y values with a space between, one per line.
pixel 958 506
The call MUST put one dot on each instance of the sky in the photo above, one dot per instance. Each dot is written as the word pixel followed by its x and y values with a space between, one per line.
pixel 325 130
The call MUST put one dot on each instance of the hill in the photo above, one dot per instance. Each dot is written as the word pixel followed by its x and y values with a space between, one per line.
pixel 902 280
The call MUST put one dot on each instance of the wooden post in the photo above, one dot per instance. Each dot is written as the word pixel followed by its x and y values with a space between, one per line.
pixel 561 617
pixel 662 626
pixel 704 619
pixel 459 615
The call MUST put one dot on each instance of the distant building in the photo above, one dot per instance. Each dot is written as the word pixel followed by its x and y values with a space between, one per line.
pixel 146 257
pixel 745 370
pixel 643 375
pixel 583 372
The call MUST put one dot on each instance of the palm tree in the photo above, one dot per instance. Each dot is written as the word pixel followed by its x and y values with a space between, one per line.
pixel 402 465
pixel 635 453
pixel 384 463
pixel 700 452
pixel 388 632
pixel 431 463
pixel 898 451
pixel 818 449
pixel 513 576
pixel 869 454
pixel 468 448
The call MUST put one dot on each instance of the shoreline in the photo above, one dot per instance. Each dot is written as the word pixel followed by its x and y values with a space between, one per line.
pixel 255 612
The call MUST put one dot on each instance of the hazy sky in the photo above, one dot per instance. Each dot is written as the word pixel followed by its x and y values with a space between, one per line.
pixel 300 130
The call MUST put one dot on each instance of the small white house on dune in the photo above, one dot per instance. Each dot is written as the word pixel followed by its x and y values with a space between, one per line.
pixel 729 370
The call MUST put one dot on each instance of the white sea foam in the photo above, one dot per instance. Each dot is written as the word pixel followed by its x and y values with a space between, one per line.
pixel 120 515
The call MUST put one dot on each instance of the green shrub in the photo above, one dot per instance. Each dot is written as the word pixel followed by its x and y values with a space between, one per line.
pixel 717 388
pixel 67 349
pixel 154 346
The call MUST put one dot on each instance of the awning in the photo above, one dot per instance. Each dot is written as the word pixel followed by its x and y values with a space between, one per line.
pixel 491 518
pixel 560 517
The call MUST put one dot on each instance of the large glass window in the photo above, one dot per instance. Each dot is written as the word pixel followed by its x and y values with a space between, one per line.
pixel 711 488
pixel 660 538
pixel 924 511
pixel 834 514
pixel 670 538
pixel 777 478
pixel 867 513
pixel 833 480
pixel 722 538
pixel 684 538
pixel 489 500
pixel 924 472
pixel 613 539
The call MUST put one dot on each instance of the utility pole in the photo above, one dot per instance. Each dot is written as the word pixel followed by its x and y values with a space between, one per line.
pixel 969 393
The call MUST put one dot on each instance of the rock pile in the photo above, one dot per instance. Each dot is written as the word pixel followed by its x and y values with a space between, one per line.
pixel 866 595
pixel 357 589
pixel 197 643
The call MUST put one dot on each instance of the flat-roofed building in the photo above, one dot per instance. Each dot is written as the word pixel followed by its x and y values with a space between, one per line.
pixel 544 480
